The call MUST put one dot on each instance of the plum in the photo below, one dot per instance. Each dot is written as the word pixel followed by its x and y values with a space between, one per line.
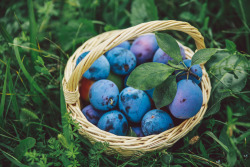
pixel 134 104
pixel 156 121
pixel 195 69
pixel 103 95
pixel 161 57
pixel 138 131
pixel 125 45
pixel 114 122
pixel 144 48
pixel 92 114
pixel 84 88
pixel 122 61
pixel 188 100
pixel 150 92
pixel 79 59
pixel 182 52
pixel 125 81
pixel 98 70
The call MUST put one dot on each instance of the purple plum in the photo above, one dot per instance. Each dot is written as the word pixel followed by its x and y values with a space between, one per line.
pixel 188 100
pixel 92 114
pixel 144 48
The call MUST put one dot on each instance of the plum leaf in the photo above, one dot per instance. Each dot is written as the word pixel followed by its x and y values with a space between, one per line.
pixel 169 45
pixel 203 55
pixel 165 92
pixel 149 75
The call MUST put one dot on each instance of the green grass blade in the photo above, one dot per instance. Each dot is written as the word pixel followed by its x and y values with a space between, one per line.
pixel 33 30
pixel 5 34
pixel 209 133
pixel 12 159
pixel 66 132
pixel 13 96
pixel 4 94
pixel 27 75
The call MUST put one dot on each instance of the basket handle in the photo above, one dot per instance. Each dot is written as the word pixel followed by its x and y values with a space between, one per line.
pixel 127 34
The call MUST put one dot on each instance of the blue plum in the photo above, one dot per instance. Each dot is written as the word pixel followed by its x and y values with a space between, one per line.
pixel 122 61
pixel 98 70
pixel 196 69
pixel 150 92
pixel 79 59
pixel 134 103
pixel 114 122
pixel 125 45
pixel 188 100
pixel 144 48
pixel 138 131
pixel 156 121
pixel 161 57
pixel 103 95
pixel 92 114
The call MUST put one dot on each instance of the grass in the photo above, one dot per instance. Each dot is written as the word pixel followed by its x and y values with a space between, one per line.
pixel 37 38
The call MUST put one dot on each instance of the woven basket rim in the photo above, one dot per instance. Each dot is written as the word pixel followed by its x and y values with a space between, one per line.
pixel 125 145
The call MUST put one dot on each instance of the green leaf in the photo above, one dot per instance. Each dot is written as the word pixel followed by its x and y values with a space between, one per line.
pixel 27 115
pixel 23 147
pixel 169 45
pixel 177 66
pixel 222 80
pixel 203 150
pixel 203 55
pixel 167 159
pixel 143 11
pixel 230 45
pixel 149 75
pixel 165 92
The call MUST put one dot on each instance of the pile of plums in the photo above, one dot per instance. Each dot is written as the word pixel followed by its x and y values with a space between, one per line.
pixel 114 107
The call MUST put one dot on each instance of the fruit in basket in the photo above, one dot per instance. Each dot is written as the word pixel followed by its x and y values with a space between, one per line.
pixel 195 69
pixel 84 88
pixel 125 45
pixel 79 59
pixel 182 52
pixel 138 131
pixel 134 103
pixel 144 48
pixel 155 122
pixel 98 70
pixel 92 114
pixel 114 122
pixel 150 92
pixel 188 100
pixel 103 95
pixel 122 61
pixel 161 57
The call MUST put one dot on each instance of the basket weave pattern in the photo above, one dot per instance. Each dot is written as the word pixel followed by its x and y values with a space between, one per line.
pixel 125 145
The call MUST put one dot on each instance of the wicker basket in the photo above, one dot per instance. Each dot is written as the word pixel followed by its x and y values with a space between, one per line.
pixel 125 145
